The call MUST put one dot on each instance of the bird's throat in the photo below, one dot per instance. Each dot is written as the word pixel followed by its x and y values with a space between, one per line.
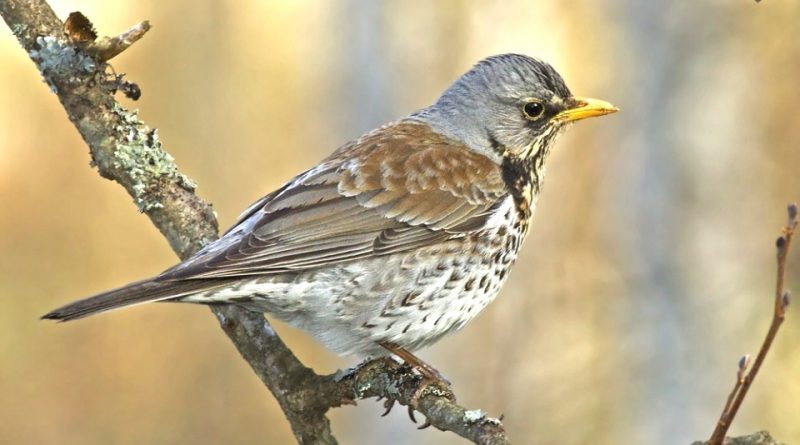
pixel 522 177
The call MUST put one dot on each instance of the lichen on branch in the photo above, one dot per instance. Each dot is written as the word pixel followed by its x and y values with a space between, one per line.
pixel 138 151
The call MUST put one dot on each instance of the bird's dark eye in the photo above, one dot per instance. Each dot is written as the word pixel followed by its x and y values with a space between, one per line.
pixel 533 109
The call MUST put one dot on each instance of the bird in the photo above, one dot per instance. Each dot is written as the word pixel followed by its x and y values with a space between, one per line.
pixel 400 236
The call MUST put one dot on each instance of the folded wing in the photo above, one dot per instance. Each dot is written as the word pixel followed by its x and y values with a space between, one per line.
pixel 396 189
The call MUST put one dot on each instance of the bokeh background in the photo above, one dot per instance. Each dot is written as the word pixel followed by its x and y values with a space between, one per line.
pixel 648 272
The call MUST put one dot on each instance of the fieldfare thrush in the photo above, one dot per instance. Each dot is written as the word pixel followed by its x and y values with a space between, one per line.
pixel 400 236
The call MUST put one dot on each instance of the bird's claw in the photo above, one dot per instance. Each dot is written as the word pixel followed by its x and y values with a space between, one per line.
pixel 411 409
pixel 388 404
pixel 428 382
pixel 428 378
pixel 425 425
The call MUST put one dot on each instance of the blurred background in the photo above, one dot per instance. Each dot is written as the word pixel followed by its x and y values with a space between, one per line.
pixel 648 272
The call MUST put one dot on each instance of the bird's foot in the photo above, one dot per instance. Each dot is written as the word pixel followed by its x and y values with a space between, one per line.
pixel 431 381
pixel 434 384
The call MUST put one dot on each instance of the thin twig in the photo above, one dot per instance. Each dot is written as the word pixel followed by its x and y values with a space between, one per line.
pixel 80 31
pixel 744 362
pixel 782 299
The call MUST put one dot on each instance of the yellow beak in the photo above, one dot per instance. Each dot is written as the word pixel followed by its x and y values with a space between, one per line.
pixel 584 107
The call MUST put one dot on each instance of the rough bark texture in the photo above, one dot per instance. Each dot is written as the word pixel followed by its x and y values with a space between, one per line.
pixel 127 151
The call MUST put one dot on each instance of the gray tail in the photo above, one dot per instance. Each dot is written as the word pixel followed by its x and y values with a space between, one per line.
pixel 135 293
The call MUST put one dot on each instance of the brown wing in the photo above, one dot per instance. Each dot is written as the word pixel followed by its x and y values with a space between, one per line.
pixel 396 189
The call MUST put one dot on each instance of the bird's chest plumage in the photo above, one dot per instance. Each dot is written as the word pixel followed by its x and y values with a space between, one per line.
pixel 411 298
pixel 441 288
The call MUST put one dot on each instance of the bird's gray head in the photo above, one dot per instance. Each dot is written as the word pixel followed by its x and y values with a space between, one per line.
pixel 508 105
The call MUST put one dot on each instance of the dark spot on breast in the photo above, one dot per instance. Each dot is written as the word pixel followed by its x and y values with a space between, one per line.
pixel 456 275
pixel 470 284
pixel 409 298
pixel 513 242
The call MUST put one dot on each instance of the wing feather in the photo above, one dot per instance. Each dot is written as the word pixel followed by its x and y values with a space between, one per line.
pixel 399 188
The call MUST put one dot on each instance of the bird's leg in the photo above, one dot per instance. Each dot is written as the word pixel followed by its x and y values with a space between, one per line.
pixel 415 362
pixel 430 376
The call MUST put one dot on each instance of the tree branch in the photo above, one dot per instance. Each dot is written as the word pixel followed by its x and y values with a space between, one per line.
pixel 780 303
pixel 73 63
